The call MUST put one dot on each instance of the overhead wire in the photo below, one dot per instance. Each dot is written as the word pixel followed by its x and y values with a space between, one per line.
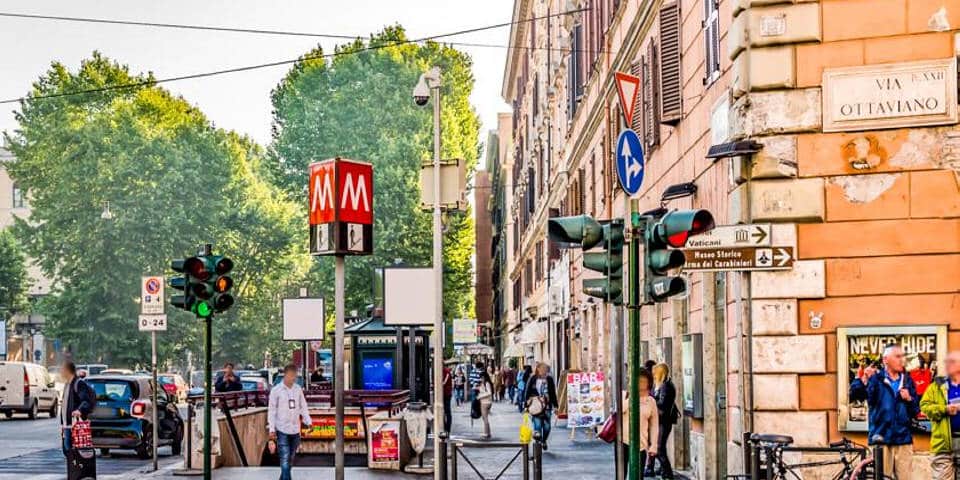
pixel 366 48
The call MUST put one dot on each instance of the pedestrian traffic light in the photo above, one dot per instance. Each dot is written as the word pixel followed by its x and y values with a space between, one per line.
pixel 660 234
pixel 221 283
pixel 585 232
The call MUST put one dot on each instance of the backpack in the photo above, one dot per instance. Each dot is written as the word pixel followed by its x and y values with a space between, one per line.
pixel 475 409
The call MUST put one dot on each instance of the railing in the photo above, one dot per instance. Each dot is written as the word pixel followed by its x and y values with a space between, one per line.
pixel 460 446
pixel 226 402
pixel 393 401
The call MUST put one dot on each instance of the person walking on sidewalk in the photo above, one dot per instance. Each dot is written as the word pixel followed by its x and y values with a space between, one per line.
pixel 649 421
pixel 78 402
pixel 498 384
pixel 665 394
pixel 522 377
pixel 541 399
pixel 892 402
pixel 459 383
pixel 485 396
pixel 286 411
pixel 447 397
pixel 941 404
pixel 510 383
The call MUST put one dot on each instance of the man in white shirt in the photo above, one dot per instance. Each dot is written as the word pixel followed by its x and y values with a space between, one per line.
pixel 287 410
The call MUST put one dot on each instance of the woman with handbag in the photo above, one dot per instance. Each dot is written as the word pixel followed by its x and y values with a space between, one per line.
pixel 665 394
pixel 649 421
pixel 485 397
pixel 541 399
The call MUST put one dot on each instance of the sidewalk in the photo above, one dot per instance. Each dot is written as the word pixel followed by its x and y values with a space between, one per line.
pixel 579 459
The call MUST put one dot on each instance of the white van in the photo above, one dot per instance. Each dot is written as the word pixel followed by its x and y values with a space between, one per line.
pixel 27 388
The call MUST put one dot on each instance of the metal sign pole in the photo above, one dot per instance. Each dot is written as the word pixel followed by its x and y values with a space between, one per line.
pixel 439 463
pixel 413 364
pixel 207 391
pixel 153 357
pixel 338 385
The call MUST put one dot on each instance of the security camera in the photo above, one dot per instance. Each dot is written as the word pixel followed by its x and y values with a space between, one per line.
pixel 421 93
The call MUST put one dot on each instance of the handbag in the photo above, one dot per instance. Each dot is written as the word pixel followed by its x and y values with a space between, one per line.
pixel 80 434
pixel 475 409
pixel 536 406
pixel 526 429
pixel 608 433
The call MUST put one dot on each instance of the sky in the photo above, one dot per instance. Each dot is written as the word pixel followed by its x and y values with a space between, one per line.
pixel 237 101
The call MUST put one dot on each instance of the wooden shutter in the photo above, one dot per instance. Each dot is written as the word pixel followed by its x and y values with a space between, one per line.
pixel 651 97
pixel 636 123
pixel 711 38
pixel 671 84
pixel 531 189
pixel 582 181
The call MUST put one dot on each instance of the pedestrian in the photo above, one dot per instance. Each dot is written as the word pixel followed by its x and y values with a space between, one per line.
pixel 941 404
pixel 447 397
pixel 485 395
pixel 541 399
pixel 228 382
pixel 510 382
pixel 286 411
pixel 317 375
pixel 649 420
pixel 648 366
pixel 522 376
pixel 79 400
pixel 459 383
pixel 665 394
pixel 498 385
pixel 892 404
pixel 474 377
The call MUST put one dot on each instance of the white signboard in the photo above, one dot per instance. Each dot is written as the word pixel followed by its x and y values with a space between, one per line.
pixel 304 319
pixel 890 95
pixel 3 338
pixel 151 295
pixel 464 331
pixel 585 399
pixel 748 235
pixel 153 323
pixel 409 296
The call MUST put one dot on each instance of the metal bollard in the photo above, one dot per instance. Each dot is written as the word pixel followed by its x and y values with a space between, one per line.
pixel 525 449
pixel 441 460
pixel 537 457
pixel 746 449
pixel 878 472
pixel 453 462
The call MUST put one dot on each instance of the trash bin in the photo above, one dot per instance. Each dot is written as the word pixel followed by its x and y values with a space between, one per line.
pixel 388 447
pixel 417 418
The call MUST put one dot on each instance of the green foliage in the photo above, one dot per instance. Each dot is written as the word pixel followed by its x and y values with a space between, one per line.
pixel 359 106
pixel 173 181
pixel 14 281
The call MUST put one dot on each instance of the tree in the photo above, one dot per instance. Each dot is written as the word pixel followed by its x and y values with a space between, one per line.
pixel 358 105
pixel 172 181
pixel 14 281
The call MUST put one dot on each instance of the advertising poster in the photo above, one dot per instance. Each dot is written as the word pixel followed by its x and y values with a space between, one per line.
pixel 585 399
pixel 861 348
pixel 385 443
pixel 325 427
pixel 691 351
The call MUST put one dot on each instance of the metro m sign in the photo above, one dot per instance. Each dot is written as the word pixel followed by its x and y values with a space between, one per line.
pixel 341 207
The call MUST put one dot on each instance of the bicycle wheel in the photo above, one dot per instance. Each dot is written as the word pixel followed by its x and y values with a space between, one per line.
pixel 865 471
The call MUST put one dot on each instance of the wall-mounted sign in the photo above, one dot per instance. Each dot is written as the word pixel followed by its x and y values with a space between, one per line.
pixel 691 350
pixel 464 331
pixel 861 348
pixel 890 95
pixel 738 259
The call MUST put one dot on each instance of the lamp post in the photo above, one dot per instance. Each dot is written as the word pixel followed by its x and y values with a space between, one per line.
pixel 429 86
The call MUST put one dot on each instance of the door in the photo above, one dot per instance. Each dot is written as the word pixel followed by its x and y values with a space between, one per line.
pixel 11 384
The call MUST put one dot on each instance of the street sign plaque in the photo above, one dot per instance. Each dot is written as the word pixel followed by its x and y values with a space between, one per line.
pixel 738 259
pixel 727 236
pixel 151 295
pixel 152 323
pixel 630 161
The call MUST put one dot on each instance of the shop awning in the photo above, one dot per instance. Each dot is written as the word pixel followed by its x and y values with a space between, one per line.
pixel 514 350
pixel 534 333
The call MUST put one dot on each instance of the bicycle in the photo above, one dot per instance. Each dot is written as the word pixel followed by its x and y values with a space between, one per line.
pixel 767 452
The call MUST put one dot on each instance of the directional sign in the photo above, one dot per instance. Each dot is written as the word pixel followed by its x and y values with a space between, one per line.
pixel 628 86
pixel 738 259
pixel 630 162
pixel 152 323
pixel 725 236
pixel 151 296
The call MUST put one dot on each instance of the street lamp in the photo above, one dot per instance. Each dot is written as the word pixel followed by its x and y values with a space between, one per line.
pixel 428 84
pixel 106 214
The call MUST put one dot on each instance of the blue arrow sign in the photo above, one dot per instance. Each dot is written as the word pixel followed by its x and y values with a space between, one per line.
pixel 630 161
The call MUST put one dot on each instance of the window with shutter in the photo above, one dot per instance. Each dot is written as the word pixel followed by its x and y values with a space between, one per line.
pixel 671 84
pixel 636 122
pixel 651 104
pixel 711 38
pixel 531 189
pixel 582 179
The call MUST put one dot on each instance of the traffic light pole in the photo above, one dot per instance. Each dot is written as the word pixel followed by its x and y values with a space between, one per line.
pixel 339 312
pixel 638 230
pixel 208 389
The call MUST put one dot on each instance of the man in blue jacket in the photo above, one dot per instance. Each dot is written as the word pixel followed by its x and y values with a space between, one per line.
pixel 892 403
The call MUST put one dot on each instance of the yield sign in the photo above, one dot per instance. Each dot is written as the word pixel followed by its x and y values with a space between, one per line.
pixel 628 86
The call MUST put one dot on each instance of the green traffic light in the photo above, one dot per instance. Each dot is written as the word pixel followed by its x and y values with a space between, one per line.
pixel 203 310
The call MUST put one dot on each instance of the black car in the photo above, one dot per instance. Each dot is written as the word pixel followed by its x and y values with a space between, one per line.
pixel 123 414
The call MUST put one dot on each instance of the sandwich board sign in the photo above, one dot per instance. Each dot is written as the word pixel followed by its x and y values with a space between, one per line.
pixel 341 207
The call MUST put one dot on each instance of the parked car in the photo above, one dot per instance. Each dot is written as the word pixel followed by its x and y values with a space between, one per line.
pixel 174 385
pixel 114 371
pixel 279 378
pixel 259 385
pixel 92 368
pixel 27 388
pixel 121 419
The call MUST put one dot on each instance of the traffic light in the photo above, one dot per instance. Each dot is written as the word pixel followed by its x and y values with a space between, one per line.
pixel 204 284
pixel 585 232
pixel 660 234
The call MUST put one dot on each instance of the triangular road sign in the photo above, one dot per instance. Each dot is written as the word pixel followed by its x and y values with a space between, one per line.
pixel 628 86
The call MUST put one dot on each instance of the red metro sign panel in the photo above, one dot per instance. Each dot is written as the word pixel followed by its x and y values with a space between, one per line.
pixel 341 207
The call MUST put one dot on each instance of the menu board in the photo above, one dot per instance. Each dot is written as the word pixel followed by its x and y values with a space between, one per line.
pixel 325 427
pixel 585 399
pixel 385 443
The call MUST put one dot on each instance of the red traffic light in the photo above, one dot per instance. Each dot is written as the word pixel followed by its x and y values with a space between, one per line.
pixel 223 265
pixel 195 267
pixel 679 225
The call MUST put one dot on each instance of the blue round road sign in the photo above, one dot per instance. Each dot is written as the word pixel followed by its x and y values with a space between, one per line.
pixel 630 161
